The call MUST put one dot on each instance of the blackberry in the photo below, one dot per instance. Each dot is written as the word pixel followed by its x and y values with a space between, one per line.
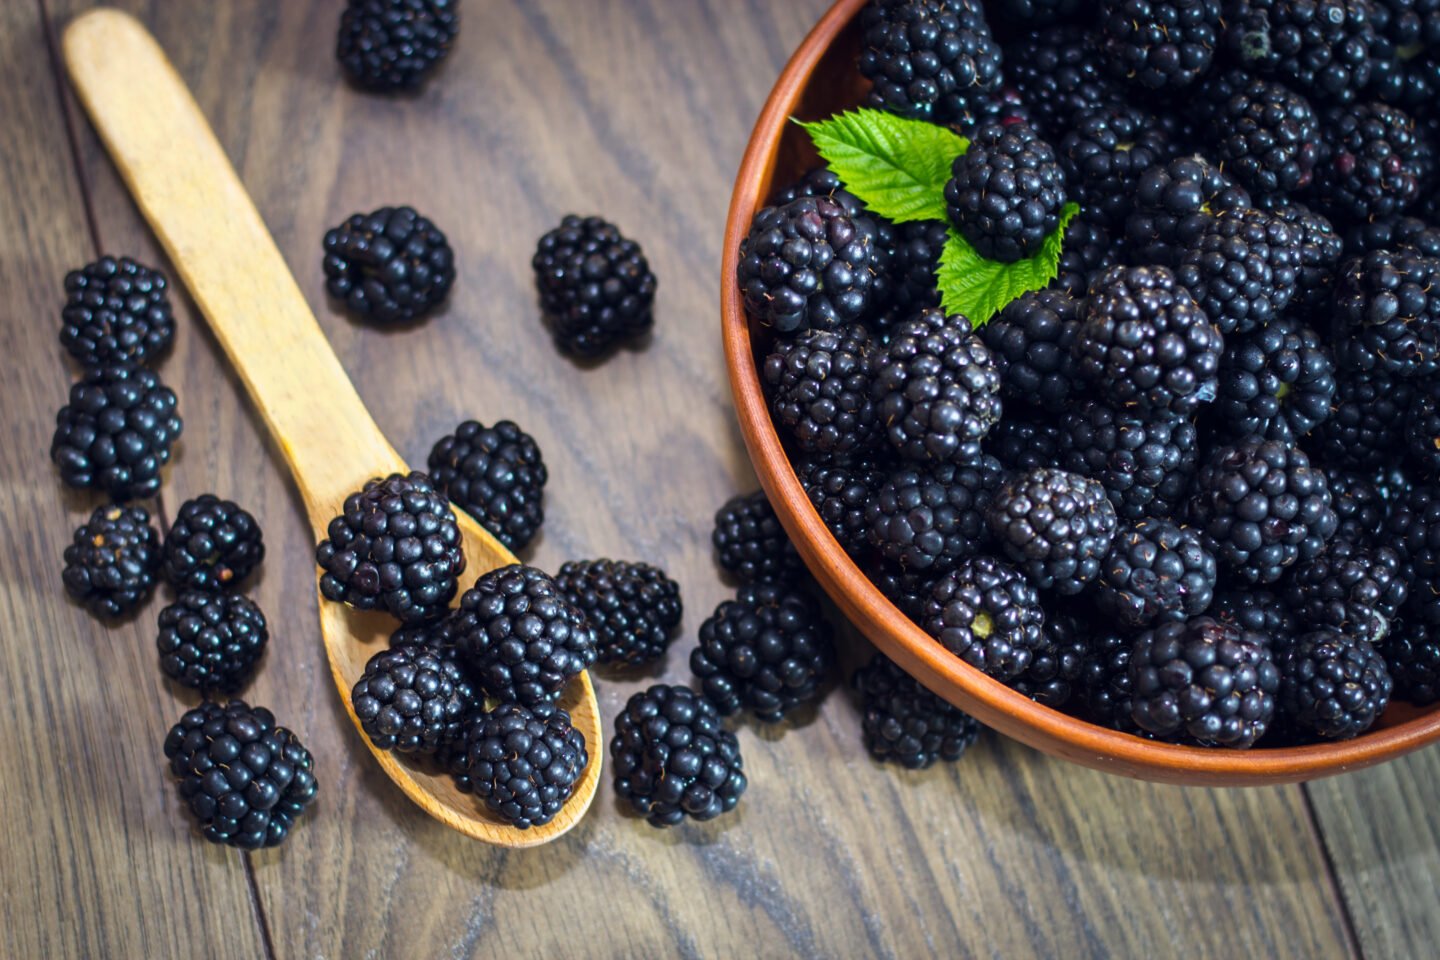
pixel 1358 505
pixel 927 59
pixel 116 432
pixel 1323 48
pixel 937 389
pixel 1373 167
pixel 595 286
pixel 1058 73
pixel 244 779
pixel 211 641
pixel 1422 433
pixel 412 699
pixel 1260 506
pixel 1031 341
pixel 1023 444
pixel 1355 589
pixel 1320 251
pixel 673 759
pixel 1203 681
pixel 1242 269
pixel 1173 203
pixel 1333 685
pixel 905 589
pixel 395 546
pixel 914 260
pixel 906 724
pixel 497 475
pixel 1366 427
pixel 1034 12
pixel 389 45
pixel 840 494
pixel 1156 570
pixel 1005 192
pixel 1412 655
pixel 634 608
pixel 110 563
pixel 1057 667
pixel 1399 233
pixel 986 614
pixel 1266 136
pixel 523 762
pixel 750 543
pixel 1004 106
pixel 1259 611
pixel 1406 68
pixel 1413 531
pixel 522 639
pixel 390 267
pixel 1105 690
pixel 1104 154
pixel 1088 249
pixel 1056 526
pixel 929 517
pixel 212 544
pixel 1144 465
pixel 1387 314
pixel 116 311
pixel 819 388
pixel 1275 382
pixel 1145 342
pixel 1159 44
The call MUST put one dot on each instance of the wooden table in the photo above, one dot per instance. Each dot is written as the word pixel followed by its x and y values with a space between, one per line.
pixel 636 110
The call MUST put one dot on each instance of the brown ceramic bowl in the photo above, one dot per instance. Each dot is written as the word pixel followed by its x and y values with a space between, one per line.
pixel 820 80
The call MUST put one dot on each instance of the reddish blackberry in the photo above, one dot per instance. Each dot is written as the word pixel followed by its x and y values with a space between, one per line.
pixel 1320 250
pixel 1333 685
pixel 1156 570
pixel 1058 73
pixel 1407 52
pixel 495 474
pixel 1275 382
pixel 1242 269
pixel 1159 44
pixel 1320 47
pixel 524 762
pixel 1373 166
pixel 931 516
pixel 1260 507
pixel 805 264
pixel 110 564
pixel 1399 233
pixel 1031 342
pixel 818 383
pixel 413 699
pixel 1358 505
pixel 212 544
pixel 906 724
pixel 395 546
pixel 1387 314
pixel 1256 610
pixel 391 267
pixel 1058 664
pixel 1024 444
pixel 595 286
pixel 1088 249
pixel 211 641
pixel 1355 589
pixel 1056 526
pixel 927 59
pixel 116 432
pixel 1266 136
pixel 1422 433
pixel 1104 154
pixel 634 608
pixel 388 45
pixel 1412 655
pixel 1173 203
pixel 1005 192
pixel 986 614
pixel 751 544
pixel 840 494
pixel 244 779
pixel 116 311
pixel 1203 681
pixel 1144 465
pixel 937 389
pixel 1145 342
pixel 1366 427
pixel 673 759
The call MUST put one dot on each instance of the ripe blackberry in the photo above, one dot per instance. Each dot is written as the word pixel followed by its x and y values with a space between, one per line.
pixel 1387 314
pixel 116 432
pixel 495 474
pixel 1105 691
pixel 905 589
pixel 1004 106
pixel 634 608
pixel 986 614
pixel 413 699
pixel 1024 444
pixel 1057 72
pixel 116 311
pixel 1374 162
pixel 927 59
pixel 212 544
pixel 595 286
pixel 936 389
pixel 1320 47
pixel 1412 655
pixel 1266 136
pixel 1104 154
pixel 1156 570
pixel 1056 526
pixel 1400 233
pixel 1242 269
pixel 1159 44
pixel 1203 681
pixel 1422 433
pixel 1366 426
pixel 211 641
pixel 1259 611
pixel 244 779
pixel 818 383
pixel 906 724
pixel 389 45
pixel 1276 382
pixel 1057 667
pixel 522 639
pixel 1173 203
pixel 914 259
pixel 673 759
pixel 391 267
pixel 840 494
pixel 1358 505
pixel 111 562
pixel 929 517
pixel 1355 589
pixel 524 762
pixel 1413 530
pixel 1088 249
pixel 1144 465
pixel 805 264
pixel 1005 192
pixel 395 546
pixel 1320 250
pixel 750 543
pixel 1145 342
pixel 1031 341
pixel 1260 506
pixel 1034 12
pixel 1333 684
pixel 1406 68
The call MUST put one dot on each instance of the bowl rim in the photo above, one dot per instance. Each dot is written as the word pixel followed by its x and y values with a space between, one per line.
pixel 989 700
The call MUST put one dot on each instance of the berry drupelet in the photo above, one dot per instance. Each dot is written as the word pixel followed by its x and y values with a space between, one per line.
pixel 750 543
pixel 523 762
pixel 1242 269
pixel 111 562
pixel 818 383
pixel 1366 426
pixel 1057 526
pixel 116 432
pixel 927 59
pixel 1276 382
pixel 1355 589
pixel 906 724
pixel 388 45
pixel 1173 203
pixel 1005 192
pixel 1144 464
pixel 634 608
pixel 929 517
pixel 595 286
pixel 1163 45
pixel 988 615
pixel 390 267
pixel 211 641
pixel 1156 570
pixel 1266 136
pixel 116 311
pixel 413 699
pixel 497 475
pixel 1031 341
pixel 1333 685
pixel 1323 48
pixel 1387 314
pixel 212 544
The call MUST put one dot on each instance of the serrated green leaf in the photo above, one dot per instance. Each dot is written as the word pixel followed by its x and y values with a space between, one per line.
pixel 896 166
pixel 978 288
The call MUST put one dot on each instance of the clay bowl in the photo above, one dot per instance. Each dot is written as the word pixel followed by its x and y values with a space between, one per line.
pixel 820 80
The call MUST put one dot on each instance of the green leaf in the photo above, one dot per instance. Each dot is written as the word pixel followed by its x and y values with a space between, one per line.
pixel 896 166
pixel 978 288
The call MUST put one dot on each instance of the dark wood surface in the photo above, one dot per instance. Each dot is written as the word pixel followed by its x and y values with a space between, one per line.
pixel 638 111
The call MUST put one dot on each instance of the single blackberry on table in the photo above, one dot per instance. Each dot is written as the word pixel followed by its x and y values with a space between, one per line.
pixel 1145 465
pixel 388 45
pixel 1260 506
pixel 936 388
pixel 1374 163
pixel 1057 72
pixel 1276 382
pixel 805 264
pixel 1056 526
pixel 523 762
pixel 244 779
pixel 634 608
pixel 1104 155
pixel 111 562
pixel 1266 136
pixel 1156 570
pixel 1320 251
pixel 1355 589
pixel 929 517
pixel 988 615
pixel 672 758
pixel 1260 611
pixel 211 641
pixel 818 383
pixel 927 59
pixel 595 286
pixel 497 475
pixel 1422 433
pixel 1358 505
pixel 750 543
pixel 906 724
pixel 1105 691
pixel 1333 685
pixel 1145 342
pixel 1031 341
pixel 1366 426
pixel 413 699
pixel 1322 48
pixel 1406 68
pixel 1173 203
pixel 841 494
pixel 1024 444
pixel 1242 269
pixel 116 311
pixel 1387 314
pixel 1087 250
pixel 1159 45
pixel 1400 233
pixel 1005 192
pixel 1057 666
pixel 521 637
pixel 390 267
pixel 1412 656
pixel 395 546
pixel 116 432
pixel 212 544
pixel 1203 681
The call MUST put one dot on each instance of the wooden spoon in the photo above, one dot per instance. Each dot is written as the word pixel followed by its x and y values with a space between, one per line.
pixel 221 248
